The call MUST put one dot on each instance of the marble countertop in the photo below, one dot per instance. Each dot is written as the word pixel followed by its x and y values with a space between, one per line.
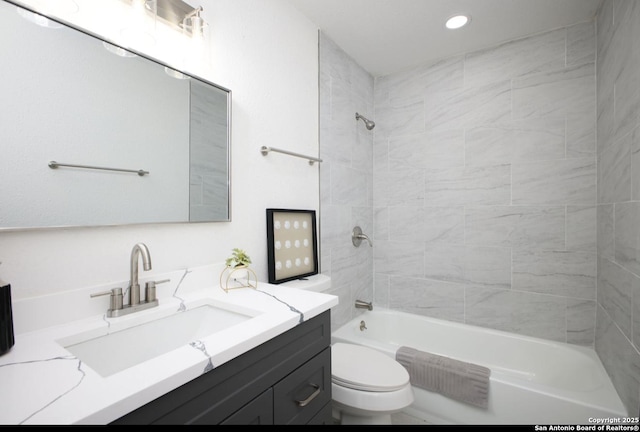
pixel 43 383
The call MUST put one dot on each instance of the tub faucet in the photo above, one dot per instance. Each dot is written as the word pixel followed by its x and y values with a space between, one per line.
pixel 363 305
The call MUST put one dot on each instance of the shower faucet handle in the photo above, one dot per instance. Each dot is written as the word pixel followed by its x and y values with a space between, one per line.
pixel 357 237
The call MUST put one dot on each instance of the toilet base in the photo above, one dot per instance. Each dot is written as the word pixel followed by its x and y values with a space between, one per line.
pixel 368 408
pixel 344 415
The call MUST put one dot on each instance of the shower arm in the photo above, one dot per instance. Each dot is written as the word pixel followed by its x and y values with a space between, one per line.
pixel 368 123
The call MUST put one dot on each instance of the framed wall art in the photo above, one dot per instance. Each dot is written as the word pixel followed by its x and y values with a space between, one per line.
pixel 292 244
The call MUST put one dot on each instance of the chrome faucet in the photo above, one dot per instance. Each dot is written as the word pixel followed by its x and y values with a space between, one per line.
pixel 139 250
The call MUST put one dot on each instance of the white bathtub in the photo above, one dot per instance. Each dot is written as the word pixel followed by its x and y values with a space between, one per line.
pixel 533 381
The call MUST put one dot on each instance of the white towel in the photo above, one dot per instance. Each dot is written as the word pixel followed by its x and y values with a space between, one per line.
pixel 462 381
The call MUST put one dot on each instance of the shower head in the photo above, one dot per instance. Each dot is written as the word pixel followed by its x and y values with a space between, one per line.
pixel 368 123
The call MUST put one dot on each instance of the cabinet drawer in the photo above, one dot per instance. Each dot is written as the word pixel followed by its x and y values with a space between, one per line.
pixel 257 412
pixel 304 392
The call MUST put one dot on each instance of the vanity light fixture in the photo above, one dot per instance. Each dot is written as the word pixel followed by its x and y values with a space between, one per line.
pixel 193 23
pixel 174 13
pixel 457 21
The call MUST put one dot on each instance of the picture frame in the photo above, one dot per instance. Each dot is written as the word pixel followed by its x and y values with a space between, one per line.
pixel 292 244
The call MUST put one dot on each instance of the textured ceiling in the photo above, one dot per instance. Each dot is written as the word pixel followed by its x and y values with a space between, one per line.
pixel 386 36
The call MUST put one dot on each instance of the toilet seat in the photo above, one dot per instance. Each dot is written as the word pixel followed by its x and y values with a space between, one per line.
pixel 365 369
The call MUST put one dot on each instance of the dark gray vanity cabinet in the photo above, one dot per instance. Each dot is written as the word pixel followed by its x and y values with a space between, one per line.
pixel 286 380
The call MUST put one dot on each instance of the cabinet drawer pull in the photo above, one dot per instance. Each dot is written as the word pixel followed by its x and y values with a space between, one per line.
pixel 310 398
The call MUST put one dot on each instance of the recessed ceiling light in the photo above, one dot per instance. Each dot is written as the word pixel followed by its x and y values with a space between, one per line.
pixel 457 21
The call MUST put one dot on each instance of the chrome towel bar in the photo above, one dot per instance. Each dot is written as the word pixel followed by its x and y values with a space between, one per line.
pixel 54 165
pixel 265 151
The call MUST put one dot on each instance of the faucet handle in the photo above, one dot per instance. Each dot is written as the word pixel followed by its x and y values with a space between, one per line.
pixel 357 236
pixel 150 289
pixel 115 299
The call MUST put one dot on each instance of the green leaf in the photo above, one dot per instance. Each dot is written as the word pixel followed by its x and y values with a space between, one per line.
pixel 238 258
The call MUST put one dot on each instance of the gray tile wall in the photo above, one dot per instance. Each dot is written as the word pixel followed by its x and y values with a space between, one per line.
pixel 484 187
pixel 346 173
pixel 618 211
pixel 486 206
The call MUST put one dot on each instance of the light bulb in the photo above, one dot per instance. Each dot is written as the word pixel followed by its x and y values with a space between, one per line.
pixel 457 21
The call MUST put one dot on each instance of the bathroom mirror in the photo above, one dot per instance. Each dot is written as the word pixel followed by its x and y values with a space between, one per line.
pixel 72 107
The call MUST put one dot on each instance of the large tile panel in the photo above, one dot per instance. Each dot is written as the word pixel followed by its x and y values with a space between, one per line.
pixel 558 92
pixel 545 52
pixel 627 235
pixel 565 181
pixel 431 298
pixel 569 274
pixel 615 293
pixel 468 185
pixel 520 227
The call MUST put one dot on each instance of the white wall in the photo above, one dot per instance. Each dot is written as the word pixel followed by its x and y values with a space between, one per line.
pixel 266 52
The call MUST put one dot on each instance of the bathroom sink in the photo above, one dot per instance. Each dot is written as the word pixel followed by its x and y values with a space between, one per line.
pixel 119 350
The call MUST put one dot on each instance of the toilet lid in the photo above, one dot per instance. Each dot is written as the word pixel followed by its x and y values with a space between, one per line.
pixel 361 368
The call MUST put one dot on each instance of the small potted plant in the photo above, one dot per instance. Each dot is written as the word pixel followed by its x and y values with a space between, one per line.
pixel 231 279
pixel 238 259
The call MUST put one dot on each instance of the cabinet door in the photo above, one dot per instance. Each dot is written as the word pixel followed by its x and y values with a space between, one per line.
pixel 257 412
pixel 324 417
pixel 304 392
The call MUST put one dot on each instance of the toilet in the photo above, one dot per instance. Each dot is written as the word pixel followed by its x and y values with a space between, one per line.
pixel 367 386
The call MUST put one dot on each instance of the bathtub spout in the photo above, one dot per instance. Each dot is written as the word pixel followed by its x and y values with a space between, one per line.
pixel 363 305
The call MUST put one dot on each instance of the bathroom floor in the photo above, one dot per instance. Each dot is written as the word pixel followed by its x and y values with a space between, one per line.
pixel 406 419
pixel 401 419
